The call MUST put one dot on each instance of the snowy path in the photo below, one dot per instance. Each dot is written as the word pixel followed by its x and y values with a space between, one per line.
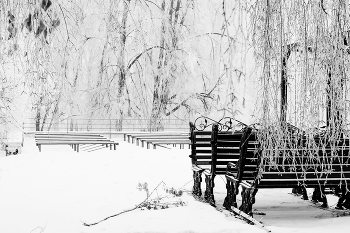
pixel 58 189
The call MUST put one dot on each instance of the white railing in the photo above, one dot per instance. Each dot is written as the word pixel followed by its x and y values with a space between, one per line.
pixel 107 125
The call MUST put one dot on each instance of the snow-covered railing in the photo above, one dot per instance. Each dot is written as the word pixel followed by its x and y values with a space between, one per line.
pixel 106 125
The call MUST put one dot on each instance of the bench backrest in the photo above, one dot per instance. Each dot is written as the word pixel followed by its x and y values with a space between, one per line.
pixel 225 148
pixel 325 167
pixel 246 166
pixel 294 166
pixel 200 147
pixel 212 150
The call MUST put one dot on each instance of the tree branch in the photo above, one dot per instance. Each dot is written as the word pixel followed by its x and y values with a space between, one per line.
pixel 125 211
pixel 139 55
pixel 216 33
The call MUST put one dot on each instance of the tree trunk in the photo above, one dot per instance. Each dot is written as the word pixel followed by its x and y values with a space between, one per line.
pixel 37 120
pixel 161 84
pixel 55 111
pixel 121 58
pixel 156 105
pixel 284 81
pixel 38 114
pixel 47 111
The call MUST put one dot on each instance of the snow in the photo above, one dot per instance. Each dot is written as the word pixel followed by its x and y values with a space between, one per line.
pixel 58 190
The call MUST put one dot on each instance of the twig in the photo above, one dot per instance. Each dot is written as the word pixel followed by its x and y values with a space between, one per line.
pixel 112 216
pixel 42 229
pixel 125 211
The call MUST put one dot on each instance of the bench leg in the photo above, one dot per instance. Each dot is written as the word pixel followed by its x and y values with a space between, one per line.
pixel 197 180
pixel 304 193
pixel 232 191
pixel 110 146
pixel 39 146
pixel 316 195
pixel 297 190
pixel 344 199
pixel 347 201
pixel 300 190
pixel 319 196
pixel 209 190
pixel 78 148
pixel 248 199
pixel 324 201
pixel 115 146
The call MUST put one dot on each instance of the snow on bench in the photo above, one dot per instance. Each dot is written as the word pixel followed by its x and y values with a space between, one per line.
pixel 159 138
pixel 72 139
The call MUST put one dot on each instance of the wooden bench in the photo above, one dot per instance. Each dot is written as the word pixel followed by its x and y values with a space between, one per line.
pixel 165 140
pixel 12 141
pixel 234 175
pixel 158 139
pixel 13 148
pixel 136 137
pixel 72 139
pixel 292 167
pixel 130 136
pixel 200 156
pixel 210 153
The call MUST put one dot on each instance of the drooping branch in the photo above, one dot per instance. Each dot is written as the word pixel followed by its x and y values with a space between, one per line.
pixel 217 34
pixel 132 62
pixel 183 103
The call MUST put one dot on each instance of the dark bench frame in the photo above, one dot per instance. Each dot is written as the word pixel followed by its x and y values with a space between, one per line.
pixel 250 182
pixel 196 160
pixel 220 145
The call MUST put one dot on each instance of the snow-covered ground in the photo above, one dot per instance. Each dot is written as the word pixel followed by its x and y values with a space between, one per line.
pixel 58 190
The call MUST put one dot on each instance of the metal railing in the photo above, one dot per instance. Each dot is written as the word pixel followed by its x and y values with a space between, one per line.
pixel 107 125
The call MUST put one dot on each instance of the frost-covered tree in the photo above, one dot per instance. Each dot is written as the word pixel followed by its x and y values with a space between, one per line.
pixel 125 59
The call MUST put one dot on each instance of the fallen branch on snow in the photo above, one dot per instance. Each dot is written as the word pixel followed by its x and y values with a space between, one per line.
pixel 147 203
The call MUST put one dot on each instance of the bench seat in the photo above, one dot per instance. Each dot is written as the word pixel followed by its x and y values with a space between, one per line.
pixel 74 140
pixel 178 139
pixel 292 168
pixel 135 136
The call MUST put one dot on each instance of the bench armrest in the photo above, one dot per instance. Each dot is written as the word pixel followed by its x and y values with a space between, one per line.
pixel 246 184
pixel 196 168
pixel 230 166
